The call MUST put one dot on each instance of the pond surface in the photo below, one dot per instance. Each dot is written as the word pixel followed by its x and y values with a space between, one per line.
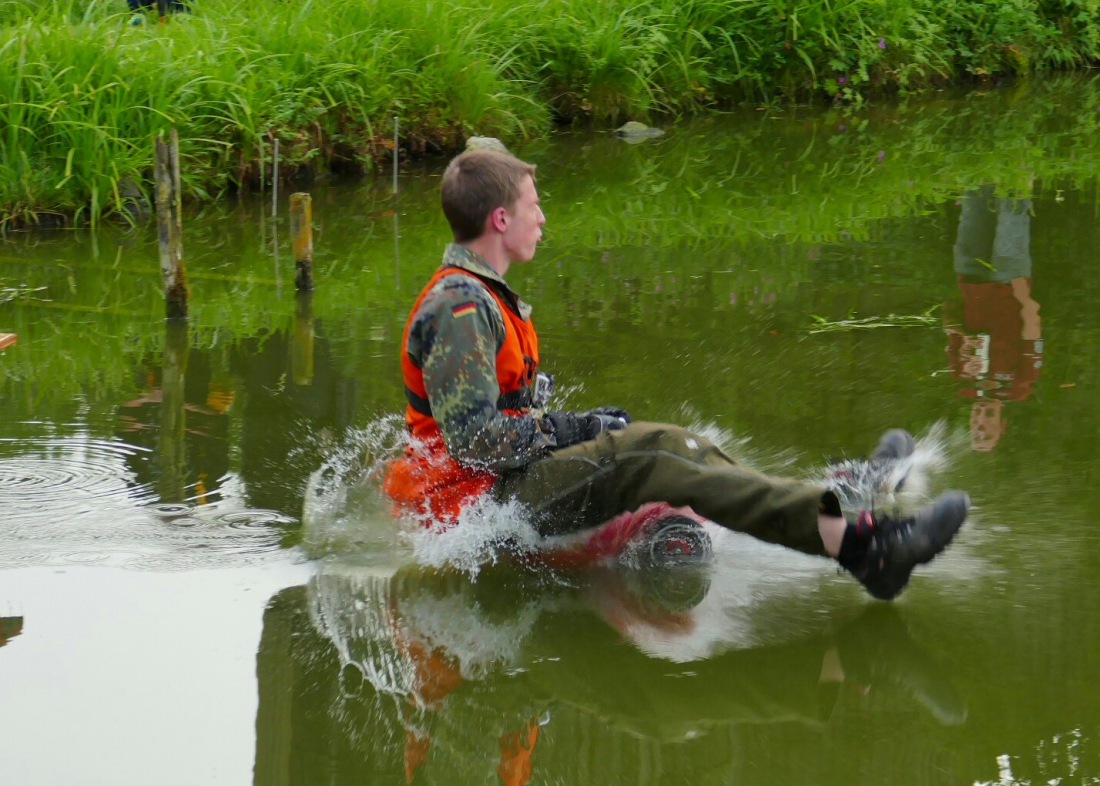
pixel 195 588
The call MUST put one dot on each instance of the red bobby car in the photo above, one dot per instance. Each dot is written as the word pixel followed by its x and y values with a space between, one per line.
pixel 656 534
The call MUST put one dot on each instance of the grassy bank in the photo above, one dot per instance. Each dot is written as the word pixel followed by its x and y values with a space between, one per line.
pixel 82 91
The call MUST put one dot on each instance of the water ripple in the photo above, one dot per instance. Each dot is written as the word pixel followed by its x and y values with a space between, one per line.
pixel 82 500
pixel 53 475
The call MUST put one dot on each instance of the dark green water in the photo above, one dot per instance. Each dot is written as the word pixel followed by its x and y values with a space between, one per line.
pixel 171 616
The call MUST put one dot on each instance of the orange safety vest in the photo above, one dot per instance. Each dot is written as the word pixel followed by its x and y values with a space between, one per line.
pixel 427 480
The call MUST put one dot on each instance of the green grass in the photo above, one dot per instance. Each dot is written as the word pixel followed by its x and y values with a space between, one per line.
pixel 83 92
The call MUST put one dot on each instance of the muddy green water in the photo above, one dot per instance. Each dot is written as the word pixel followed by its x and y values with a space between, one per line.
pixel 170 615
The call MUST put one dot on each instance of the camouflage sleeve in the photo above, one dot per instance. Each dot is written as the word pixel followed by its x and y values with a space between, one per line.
pixel 456 334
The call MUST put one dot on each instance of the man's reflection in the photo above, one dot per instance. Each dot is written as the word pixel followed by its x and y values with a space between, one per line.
pixel 994 338
pixel 432 676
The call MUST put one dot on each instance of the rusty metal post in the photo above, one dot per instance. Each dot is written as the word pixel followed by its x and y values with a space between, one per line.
pixel 170 226
pixel 301 229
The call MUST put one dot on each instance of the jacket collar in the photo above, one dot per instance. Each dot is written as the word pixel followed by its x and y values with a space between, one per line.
pixel 459 256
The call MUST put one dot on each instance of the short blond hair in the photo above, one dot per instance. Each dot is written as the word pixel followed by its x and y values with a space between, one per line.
pixel 475 184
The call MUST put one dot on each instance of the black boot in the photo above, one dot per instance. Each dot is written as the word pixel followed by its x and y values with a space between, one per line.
pixel 894 545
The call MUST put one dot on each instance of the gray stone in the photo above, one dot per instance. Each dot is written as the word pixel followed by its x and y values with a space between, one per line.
pixel 634 131
pixel 486 143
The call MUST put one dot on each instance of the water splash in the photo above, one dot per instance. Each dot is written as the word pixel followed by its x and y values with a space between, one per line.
pixel 346 512
pixel 486 532
pixel 864 483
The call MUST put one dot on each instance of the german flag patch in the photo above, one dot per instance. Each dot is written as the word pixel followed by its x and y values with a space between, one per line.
pixel 463 310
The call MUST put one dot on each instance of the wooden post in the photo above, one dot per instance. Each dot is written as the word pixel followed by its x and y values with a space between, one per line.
pixel 301 228
pixel 170 227
pixel 7 340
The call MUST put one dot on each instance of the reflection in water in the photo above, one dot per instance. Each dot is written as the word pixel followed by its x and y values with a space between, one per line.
pixel 169 489
pixel 182 417
pixel 994 340
pixel 76 500
pixel 301 345
pixel 171 452
pixel 10 627
pixel 435 677
pixel 707 223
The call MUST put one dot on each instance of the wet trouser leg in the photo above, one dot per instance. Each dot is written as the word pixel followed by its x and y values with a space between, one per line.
pixel 584 485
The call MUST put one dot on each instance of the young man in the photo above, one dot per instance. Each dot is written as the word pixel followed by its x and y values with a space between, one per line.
pixel 470 363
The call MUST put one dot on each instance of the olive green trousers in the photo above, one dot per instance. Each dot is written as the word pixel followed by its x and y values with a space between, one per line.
pixel 584 485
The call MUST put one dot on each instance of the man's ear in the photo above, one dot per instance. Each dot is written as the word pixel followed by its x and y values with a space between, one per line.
pixel 498 219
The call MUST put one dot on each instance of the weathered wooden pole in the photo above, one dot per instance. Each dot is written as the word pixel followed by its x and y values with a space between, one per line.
pixel 395 150
pixel 301 229
pixel 170 226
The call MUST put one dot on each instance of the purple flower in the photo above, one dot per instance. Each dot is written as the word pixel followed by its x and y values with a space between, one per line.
pixel 842 127
pixel 842 80
pixel 881 155
pixel 882 43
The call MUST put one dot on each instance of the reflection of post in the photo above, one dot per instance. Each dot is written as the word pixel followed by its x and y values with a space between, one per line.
pixel 276 672
pixel 275 180
pixel 10 627
pixel 396 248
pixel 275 253
pixel 170 226
pixel 301 228
pixel 171 448
pixel 301 345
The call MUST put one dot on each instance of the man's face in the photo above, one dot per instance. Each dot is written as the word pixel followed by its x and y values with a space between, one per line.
pixel 523 230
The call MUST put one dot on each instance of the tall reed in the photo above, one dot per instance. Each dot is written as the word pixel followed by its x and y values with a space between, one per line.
pixel 82 91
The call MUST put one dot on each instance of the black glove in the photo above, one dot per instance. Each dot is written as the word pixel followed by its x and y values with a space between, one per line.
pixel 614 412
pixel 570 428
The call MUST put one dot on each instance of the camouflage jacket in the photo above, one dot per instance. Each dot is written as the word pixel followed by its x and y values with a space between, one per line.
pixel 458 358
